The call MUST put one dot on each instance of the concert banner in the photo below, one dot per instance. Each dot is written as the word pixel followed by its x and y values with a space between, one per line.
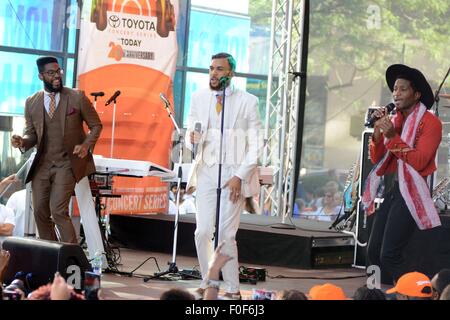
pixel 131 47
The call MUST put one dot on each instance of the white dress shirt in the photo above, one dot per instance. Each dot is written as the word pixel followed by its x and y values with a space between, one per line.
pixel 6 216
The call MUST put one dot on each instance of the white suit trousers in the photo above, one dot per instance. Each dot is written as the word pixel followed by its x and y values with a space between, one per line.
pixel 228 224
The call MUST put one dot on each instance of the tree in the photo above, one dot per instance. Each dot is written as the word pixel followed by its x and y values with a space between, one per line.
pixel 370 35
pixel 260 12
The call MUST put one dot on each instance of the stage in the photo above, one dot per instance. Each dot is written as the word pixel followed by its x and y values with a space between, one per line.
pixel 307 246
pixel 122 287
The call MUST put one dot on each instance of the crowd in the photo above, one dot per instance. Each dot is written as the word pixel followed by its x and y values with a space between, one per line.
pixel 322 204
pixel 187 199
pixel 411 286
pixel 12 214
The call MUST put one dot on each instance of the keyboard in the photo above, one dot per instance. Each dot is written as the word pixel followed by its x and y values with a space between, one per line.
pixel 133 168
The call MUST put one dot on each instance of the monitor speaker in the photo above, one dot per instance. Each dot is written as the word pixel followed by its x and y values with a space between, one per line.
pixel 363 223
pixel 40 259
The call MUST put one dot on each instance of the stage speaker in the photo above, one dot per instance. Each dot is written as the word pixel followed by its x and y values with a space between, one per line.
pixel 363 223
pixel 40 259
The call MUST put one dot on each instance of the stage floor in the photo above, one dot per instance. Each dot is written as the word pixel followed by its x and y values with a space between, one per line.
pixel 120 287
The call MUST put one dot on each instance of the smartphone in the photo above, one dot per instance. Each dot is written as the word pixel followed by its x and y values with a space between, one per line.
pixel 261 294
pixel 91 285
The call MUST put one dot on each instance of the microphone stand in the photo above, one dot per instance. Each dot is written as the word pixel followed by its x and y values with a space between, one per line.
pixel 219 175
pixel 436 100
pixel 436 96
pixel 173 269
pixel 113 128
pixel 96 95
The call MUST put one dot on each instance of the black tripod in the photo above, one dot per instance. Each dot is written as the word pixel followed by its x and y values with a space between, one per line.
pixel 109 250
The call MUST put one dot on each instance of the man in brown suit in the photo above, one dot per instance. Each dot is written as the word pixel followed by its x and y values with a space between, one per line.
pixel 54 124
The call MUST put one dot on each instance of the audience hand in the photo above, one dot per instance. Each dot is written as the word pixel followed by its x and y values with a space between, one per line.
pixel 60 290
pixel 7 181
pixel 218 261
pixel 4 260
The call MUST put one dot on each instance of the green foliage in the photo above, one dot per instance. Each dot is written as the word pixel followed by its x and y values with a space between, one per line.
pixel 370 35
pixel 260 12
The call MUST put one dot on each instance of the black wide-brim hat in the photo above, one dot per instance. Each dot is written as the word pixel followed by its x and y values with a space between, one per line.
pixel 413 75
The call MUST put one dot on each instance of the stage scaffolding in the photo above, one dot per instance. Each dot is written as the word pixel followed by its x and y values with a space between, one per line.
pixel 281 125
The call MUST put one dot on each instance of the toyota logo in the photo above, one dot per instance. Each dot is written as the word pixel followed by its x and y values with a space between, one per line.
pixel 114 21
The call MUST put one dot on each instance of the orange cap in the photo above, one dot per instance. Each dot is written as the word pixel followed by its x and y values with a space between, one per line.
pixel 327 291
pixel 413 284
pixel 313 291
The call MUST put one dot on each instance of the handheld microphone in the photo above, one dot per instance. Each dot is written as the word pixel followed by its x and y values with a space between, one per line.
pixel 198 128
pixel 373 118
pixel 113 97
pixel 97 94
pixel 164 99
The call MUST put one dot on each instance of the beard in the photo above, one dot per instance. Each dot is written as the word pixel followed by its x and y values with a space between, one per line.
pixel 50 88
pixel 219 86
pixel 215 88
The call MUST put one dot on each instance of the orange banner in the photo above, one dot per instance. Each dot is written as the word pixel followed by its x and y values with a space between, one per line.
pixel 131 46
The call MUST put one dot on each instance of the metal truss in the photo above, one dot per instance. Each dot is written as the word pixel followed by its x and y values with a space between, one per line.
pixel 282 105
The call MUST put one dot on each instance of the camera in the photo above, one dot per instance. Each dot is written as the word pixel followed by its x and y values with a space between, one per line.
pixel 91 285
pixel 258 294
pixel 11 295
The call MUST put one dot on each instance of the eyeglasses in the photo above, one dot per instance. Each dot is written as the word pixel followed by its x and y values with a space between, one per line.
pixel 52 73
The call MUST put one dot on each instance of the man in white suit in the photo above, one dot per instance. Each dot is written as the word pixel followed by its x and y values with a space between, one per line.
pixel 241 146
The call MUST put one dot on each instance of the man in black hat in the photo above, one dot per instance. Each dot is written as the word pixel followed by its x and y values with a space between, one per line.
pixel 54 120
pixel 403 149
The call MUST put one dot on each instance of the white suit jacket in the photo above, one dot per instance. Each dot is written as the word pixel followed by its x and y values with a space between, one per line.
pixel 243 135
